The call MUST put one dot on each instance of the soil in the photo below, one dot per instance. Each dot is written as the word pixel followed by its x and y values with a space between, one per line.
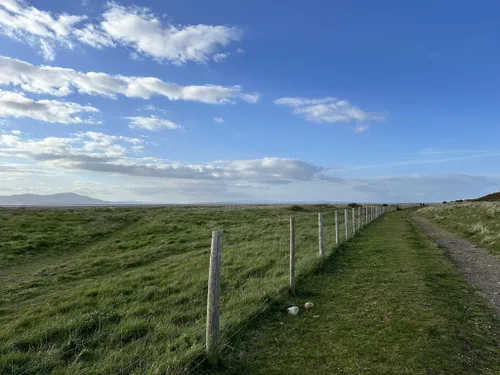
pixel 479 267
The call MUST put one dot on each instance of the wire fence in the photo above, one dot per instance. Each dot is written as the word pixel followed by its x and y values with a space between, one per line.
pixel 255 276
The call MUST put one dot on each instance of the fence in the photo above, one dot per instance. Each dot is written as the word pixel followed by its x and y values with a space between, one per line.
pixel 214 279
pixel 291 261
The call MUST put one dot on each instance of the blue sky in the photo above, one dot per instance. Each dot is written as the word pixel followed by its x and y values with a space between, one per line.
pixel 185 101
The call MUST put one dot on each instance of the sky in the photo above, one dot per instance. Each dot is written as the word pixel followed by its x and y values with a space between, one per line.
pixel 264 101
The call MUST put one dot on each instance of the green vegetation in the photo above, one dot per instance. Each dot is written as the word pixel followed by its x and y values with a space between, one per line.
pixel 109 291
pixel 478 222
pixel 30 232
pixel 493 197
pixel 389 303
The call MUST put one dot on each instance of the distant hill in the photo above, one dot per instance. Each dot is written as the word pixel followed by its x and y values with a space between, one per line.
pixel 493 197
pixel 63 199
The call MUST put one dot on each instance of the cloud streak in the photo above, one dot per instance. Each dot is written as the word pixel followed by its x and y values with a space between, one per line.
pixel 57 81
pixel 98 152
pixel 16 105
pixel 417 162
pixel 329 110
pixel 152 123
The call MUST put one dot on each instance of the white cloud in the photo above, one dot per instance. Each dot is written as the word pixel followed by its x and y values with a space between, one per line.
pixel 138 28
pixel 219 57
pixel 329 110
pixel 26 23
pixel 58 81
pixel 94 37
pixel 251 98
pixel 17 105
pixel 107 154
pixel 126 26
pixel 153 123
pixel 219 120
pixel 361 128
pixel 47 51
pixel 152 108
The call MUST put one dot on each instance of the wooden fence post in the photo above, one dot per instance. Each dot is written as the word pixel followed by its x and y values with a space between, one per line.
pixel 337 238
pixel 353 221
pixel 366 215
pixel 213 299
pixel 321 233
pixel 292 256
pixel 359 218
pixel 346 222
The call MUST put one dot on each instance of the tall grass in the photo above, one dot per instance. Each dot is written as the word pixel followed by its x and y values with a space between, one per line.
pixel 479 222
pixel 131 299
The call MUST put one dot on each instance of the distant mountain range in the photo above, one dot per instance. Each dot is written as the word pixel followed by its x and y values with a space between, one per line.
pixel 63 199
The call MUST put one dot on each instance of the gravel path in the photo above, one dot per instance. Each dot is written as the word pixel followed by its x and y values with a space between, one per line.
pixel 479 267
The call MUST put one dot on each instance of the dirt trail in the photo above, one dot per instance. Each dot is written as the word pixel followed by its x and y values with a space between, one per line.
pixel 478 266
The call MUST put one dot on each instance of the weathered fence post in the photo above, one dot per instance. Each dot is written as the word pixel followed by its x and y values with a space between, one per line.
pixel 366 215
pixel 292 256
pixel 346 221
pixel 213 299
pixel 353 221
pixel 359 218
pixel 321 236
pixel 337 239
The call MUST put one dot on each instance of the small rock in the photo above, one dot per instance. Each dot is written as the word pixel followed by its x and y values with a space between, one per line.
pixel 309 305
pixel 294 310
pixel 316 316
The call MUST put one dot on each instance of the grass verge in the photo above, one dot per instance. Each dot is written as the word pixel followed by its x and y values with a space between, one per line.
pixel 478 222
pixel 389 303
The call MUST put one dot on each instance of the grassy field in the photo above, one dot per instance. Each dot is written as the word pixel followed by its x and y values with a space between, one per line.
pixel 110 291
pixel 479 222
pixel 390 302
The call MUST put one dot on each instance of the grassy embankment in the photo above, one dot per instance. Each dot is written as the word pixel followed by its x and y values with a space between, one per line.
pixel 478 222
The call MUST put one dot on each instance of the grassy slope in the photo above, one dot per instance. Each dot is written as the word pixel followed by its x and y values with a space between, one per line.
pixel 493 197
pixel 478 222
pixel 389 303
pixel 124 291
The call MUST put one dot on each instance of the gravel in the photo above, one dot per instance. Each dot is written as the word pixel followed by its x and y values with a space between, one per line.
pixel 479 267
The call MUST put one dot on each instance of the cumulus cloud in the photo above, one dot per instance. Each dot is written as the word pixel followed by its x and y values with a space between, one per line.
pixel 58 81
pixel 98 152
pixel 13 104
pixel 141 30
pixel 126 26
pixel 36 27
pixel 329 110
pixel 152 123
pixel 219 120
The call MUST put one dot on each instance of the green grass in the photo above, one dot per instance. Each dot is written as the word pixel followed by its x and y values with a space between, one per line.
pixel 28 233
pixel 478 222
pixel 390 302
pixel 100 291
